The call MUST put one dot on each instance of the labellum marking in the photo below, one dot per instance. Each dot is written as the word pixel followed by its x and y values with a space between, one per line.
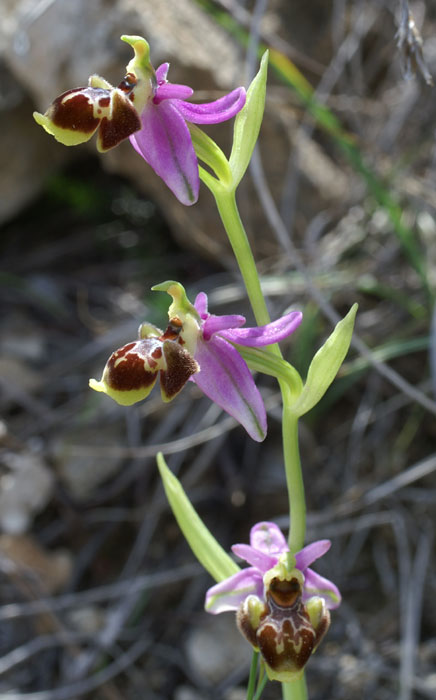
pixel 74 110
pixel 124 121
pixel 180 366
pixel 127 368
pixel 283 633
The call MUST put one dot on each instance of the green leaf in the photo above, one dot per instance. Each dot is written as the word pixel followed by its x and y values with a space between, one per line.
pixel 325 364
pixel 209 553
pixel 247 124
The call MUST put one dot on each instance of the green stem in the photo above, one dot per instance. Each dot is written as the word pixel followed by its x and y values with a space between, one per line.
pixel 297 690
pixel 227 207
pixel 294 475
pixel 252 678
pixel 228 210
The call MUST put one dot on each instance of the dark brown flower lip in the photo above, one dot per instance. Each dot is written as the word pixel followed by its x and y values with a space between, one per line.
pixel 123 123
pixel 180 367
pixel 126 367
pixel 74 109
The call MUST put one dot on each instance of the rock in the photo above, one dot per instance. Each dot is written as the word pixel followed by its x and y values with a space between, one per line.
pixel 54 46
pixel 23 555
pixel 81 471
pixel 27 157
pixel 217 649
pixel 58 47
pixel 236 694
pixel 16 375
pixel 88 619
pixel 25 488
pixel 185 692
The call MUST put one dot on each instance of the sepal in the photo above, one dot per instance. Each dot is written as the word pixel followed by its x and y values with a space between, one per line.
pixel 247 124
pixel 325 364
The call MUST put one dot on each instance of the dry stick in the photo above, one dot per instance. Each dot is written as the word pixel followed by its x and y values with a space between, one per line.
pixel 112 591
pixel 172 446
pixel 279 229
pixel 271 38
pixel 406 477
pixel 412 623
pixel 116 618
pixel 47 641
pixel 281 232
pixel 79 688
pixel 387 488
pixel 344 54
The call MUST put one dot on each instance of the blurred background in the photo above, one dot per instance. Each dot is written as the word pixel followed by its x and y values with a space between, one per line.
pixel 99 595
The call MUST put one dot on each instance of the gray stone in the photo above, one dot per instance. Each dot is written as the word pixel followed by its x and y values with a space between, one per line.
pixel 217 649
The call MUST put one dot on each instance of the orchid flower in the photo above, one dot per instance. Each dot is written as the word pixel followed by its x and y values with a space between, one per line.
pixel 146 108
pixel 198 346
pixel 282 605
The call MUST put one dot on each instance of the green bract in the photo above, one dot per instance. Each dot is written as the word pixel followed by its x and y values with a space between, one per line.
pixel 204 545
pixel 325 364
pixel 247 124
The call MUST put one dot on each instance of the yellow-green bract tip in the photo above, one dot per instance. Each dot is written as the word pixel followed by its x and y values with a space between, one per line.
pixel 325 364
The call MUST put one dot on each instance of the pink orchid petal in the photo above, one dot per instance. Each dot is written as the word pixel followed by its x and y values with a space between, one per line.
pixel 162 72
pixel 214 324
pixel 165 143
pixel 255 557
pixel 213 112
pixel 317 585
pixel 268 538
pixel 172 91
pixel 265 335
pixel 311 553
pixel 229 594
pixel 225 378
pixel 200 304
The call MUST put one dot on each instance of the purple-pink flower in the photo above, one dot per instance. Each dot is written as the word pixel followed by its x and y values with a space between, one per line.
pixel 146 108
pixel 165 141
pixel 198 346
pixel 224 375
pixel 282 605
pixel 267 545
